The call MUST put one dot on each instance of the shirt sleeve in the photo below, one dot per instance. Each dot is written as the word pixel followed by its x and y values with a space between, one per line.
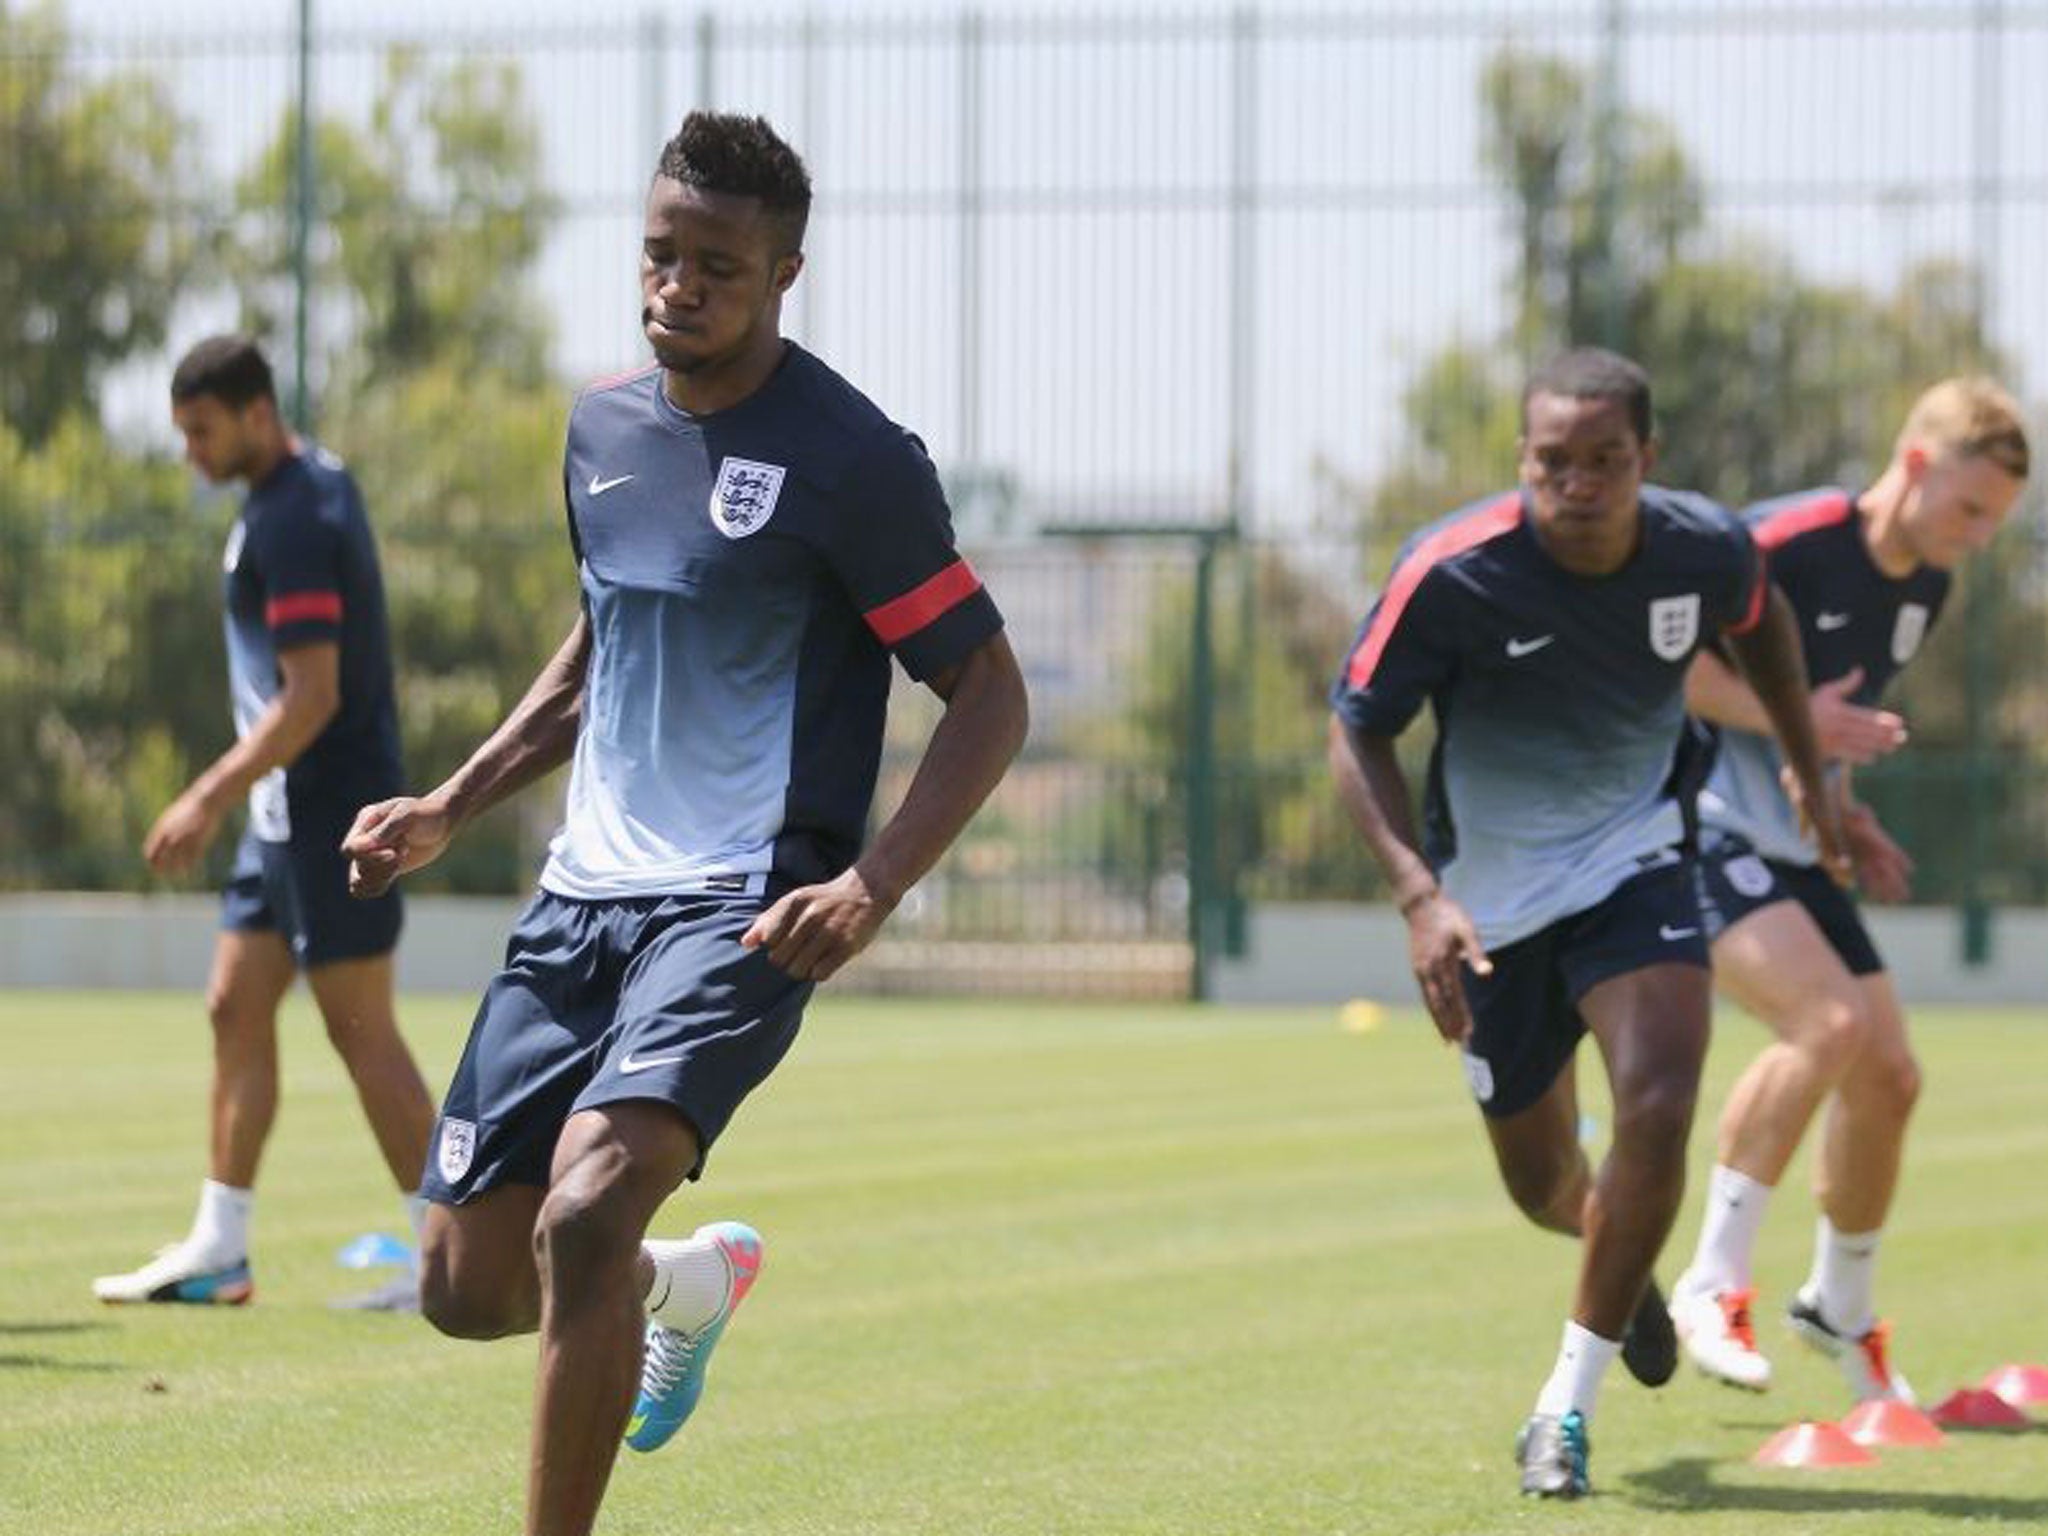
pixel 1404 652
pixel 1749 582
pixel 894 554
pixel 298 558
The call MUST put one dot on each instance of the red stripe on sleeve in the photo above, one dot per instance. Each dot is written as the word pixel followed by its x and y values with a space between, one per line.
pixel 904 616
pixel 1753 614
pixel 1786 524
pixel 303 607
pixel 1455 538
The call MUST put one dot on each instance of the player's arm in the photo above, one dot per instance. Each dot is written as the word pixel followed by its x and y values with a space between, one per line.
pixel 1847 731
pixel 395 837
pixel 1771 659
pixel 813 931
pixel 308 696
pixel 1441 937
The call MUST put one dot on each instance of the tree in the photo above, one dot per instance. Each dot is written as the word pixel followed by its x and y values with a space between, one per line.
pixel 92 255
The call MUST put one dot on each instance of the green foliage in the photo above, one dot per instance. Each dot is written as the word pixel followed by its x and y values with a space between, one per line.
pixel 112 674
pixel 92 260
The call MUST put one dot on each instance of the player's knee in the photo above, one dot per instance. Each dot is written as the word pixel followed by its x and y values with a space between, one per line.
pixel 1653 1113
pixel 1833 1034
pixel 234 1021
pixel 1547 1192
pixel 1889 1082
pixel 463 1311
pixel 587 1221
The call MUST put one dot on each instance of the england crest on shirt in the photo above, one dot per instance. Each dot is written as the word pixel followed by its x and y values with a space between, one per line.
pixel 458 1148
pixel 1674 625
pixel 744 498
pixel 1908 630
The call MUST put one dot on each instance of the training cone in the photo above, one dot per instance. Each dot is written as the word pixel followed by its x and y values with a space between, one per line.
pixel 1810 1444
pixel 2024 1386
pixel 1360 1016
pixel 1884 1422
pixel 1975 1408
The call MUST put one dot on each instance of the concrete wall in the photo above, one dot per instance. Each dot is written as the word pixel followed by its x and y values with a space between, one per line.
pixel 1296 953
pixel 1316 952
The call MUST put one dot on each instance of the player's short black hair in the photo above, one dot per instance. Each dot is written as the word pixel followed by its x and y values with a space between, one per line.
pixel 1594 373
pixel 743 157
pixel 232 369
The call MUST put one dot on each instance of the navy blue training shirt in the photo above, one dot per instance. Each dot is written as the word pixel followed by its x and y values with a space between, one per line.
pixel 1559 698
pixel 747 576
pixel 301 568
pixel 1851 614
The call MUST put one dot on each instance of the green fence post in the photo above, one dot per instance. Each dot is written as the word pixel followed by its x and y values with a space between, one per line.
pixel 1202 772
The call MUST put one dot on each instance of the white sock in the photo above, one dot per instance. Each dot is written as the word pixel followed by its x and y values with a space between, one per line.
pixel 220 1230
pixel 1735 1212
pixel 1844 1269
pixel 692 1282
pixel 1582 1359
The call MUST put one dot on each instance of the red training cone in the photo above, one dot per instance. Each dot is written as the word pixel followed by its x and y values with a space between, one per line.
pixel 1807 1444
pixel 1882 1421
pixel 1975 1408
pixel 2024 1386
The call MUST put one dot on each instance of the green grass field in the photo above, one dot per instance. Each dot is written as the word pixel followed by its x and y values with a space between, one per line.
pixel 1030 1269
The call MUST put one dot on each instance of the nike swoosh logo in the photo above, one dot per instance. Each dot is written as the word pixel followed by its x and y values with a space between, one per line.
pixel 1670 934
pixel 629 1066
pixel 1830 620
pixel 1520 648
pixel 599 487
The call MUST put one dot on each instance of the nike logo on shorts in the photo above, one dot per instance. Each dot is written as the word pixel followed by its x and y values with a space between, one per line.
pixel 645 1063
pixel 1520 648
pixel 1830 620
pixel 1671 935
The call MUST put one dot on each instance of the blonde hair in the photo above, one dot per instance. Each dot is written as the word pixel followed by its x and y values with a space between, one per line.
pixel 1970 418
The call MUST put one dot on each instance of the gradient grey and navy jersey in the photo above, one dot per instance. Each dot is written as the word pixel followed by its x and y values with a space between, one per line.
pixel 1850 615
pixel 746 577
pixel 1561 761
pixel 301 568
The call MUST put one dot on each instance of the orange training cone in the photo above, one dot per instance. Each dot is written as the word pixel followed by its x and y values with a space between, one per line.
pixel 1808 1444
pixel 2024 1386
pixel 1975 1408
pixel 1882 1421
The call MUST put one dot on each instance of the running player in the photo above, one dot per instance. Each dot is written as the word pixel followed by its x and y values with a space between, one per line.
pixel 1554 892
pixel 754 540
pixel 309 668
pixel 1867 576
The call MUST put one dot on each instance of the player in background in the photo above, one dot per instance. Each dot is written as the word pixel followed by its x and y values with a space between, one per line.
pixel 1553 890
pixel 1867 576
pixel 754 540
pixel 309 668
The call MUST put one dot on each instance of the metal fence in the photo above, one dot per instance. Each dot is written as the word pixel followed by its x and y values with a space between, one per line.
pixel 1198 310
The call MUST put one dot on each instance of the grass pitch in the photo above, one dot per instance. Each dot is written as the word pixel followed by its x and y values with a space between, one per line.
pixel 1030 1269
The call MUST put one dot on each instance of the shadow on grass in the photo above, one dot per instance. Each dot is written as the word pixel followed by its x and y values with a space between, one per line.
pixel 1686 1485
pixel 24 1330
pixel 54 1363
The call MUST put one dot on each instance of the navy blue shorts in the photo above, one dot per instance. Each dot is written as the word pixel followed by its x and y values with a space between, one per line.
pixel 1737 881
pixel 300 889
pixel 600 1001
pixel 1525 1016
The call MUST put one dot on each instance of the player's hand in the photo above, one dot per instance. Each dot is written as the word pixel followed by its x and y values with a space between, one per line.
pixel 1820 819
pixel 815 929
pixel 393 838
pixel 1884 870
pixel 1853 732
pixel 181 834
pixel 1441 943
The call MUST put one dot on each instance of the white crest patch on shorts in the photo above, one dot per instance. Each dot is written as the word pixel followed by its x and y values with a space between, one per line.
pixel 1749 875
pixel 1908 631
pixel 457 1149
pixel 1674 625
pixel 1479 1073
pixel 744 498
